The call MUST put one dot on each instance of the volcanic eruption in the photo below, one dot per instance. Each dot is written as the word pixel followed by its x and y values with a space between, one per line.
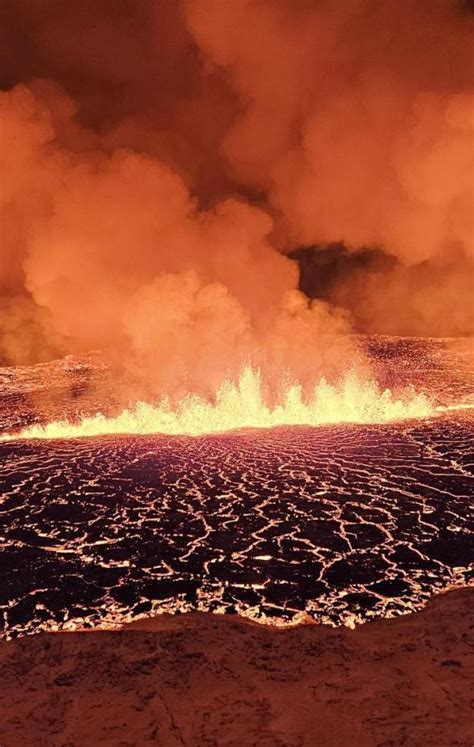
pixel 223 208
pixel 237 254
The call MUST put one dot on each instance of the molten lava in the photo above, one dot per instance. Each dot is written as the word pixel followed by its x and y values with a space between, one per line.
pixel 242 405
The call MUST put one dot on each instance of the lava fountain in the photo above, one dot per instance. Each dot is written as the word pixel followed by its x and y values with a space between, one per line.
pixel 242 404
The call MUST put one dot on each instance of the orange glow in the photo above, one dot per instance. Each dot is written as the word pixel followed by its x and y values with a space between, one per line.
pixel 242 405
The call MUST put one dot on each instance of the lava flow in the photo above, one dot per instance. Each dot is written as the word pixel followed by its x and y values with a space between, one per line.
pixel 338 523
pixel 242 405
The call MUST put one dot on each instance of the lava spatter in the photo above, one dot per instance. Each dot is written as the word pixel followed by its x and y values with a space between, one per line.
pixel 242 405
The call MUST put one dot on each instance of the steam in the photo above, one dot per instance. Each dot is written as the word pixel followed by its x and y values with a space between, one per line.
pixel 160 160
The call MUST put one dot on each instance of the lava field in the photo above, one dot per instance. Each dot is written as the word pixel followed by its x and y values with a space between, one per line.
pixel 339 523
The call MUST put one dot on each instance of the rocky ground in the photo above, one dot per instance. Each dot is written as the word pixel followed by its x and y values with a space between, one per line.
pixel 202 679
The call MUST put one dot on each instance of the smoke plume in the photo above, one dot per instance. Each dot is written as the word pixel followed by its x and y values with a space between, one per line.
pixel 161 160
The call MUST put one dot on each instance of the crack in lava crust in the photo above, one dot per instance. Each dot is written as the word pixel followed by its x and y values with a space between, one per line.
pixel 339 522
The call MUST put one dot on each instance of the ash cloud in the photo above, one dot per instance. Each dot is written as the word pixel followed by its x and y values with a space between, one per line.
pixel 161 160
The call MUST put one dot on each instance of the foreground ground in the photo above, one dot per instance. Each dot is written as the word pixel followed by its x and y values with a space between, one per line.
pixel 210 680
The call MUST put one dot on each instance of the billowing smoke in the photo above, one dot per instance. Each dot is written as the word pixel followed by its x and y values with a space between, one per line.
pixel 160 160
